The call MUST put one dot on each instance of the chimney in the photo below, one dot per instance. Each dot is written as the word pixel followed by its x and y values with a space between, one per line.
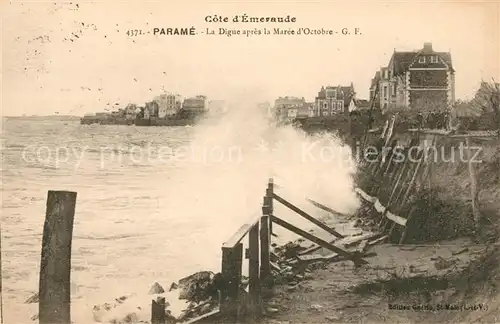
pixel 427 48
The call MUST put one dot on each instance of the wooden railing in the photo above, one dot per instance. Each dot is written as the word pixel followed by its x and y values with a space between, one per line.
pixel 259 232
pixel 54 292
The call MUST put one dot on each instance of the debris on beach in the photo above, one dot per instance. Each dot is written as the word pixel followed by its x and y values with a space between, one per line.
pixel 191 297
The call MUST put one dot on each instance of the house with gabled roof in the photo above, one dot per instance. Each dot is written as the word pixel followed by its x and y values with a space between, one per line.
pixel 422 80
pixel 334 100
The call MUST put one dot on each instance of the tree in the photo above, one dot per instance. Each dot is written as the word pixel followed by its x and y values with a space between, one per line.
pixel 487 100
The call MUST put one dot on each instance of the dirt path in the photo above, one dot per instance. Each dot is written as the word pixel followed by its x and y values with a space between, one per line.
pixel 405 284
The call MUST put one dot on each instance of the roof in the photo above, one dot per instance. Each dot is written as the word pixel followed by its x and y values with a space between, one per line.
pixel 403 60
pixel 362 103
pixel 375 79
pixel 346 91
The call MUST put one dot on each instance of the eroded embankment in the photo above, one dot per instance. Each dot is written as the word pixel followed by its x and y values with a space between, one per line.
pixel 445 272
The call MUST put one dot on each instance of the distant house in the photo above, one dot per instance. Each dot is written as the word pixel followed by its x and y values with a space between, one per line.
pixel 151 109
pixel 423 80
pixel 130 111
pixel 286 108
pixel 333 100
pixel 195 105
pixel 168 104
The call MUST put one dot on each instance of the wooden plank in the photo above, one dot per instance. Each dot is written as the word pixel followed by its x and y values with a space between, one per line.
pixel 317 257
pixel 265 266
pixel 380 239
pixel 205 317
pixel 365 196
pixel 307 216
pixel 238 236
pixel 353 240
pixel 55 267
pixel 325 208
pixel 395 218
pixel 269 195
pixel 318 241
pixel 253 271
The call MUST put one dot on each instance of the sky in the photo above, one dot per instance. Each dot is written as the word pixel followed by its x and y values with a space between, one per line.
pixel 76 58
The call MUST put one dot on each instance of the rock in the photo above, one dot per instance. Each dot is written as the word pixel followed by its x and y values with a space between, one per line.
pixel 200 286
pixel 315 307
pixel 33 299
pixel 121 299
pixel 156 288
pixel 291 288
pixel 130 318
pixel 173 286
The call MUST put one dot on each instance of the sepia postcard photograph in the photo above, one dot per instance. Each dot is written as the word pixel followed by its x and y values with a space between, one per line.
pixel 261 162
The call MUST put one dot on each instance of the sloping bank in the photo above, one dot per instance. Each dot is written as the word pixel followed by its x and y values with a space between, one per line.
pixel 446 270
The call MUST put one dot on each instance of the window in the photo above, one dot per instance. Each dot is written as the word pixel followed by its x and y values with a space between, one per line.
pixel 331 93
pixel 340 105
pixel 385 91
pixel 325 105
pixel 434 59
pixel 421 59
pixel 393 88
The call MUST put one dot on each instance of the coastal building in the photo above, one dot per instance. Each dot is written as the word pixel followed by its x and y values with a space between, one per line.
pixel 310 109
pixel 151 109
pixel 130 111
pixel 423 80
pixel 195 105
pixel 168 104
pixel 286 108
pixel 333 100
pixel 304 110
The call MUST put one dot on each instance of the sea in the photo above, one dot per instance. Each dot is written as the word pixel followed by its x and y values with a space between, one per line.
pixel 154 204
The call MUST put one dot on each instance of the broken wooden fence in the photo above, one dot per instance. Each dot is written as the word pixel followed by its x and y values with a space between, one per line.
pixel 259 232
pixel 393 181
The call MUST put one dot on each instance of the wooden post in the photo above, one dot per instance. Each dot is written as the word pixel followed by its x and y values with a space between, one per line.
pixel 158 311
pixel 232 258
pixel 253 270
pixel 473 186
pixel 55 268
pixel 265 265
pixel 270 194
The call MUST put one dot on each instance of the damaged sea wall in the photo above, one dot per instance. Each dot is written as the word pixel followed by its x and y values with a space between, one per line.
pixel 427 185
